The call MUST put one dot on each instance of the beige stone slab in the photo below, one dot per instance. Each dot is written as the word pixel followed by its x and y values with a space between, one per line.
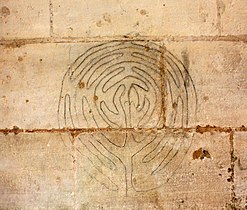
pixel 36 171
pixel 240 172
pixel 50 86
pixel 113 18
pixel 115 170
pixel 30 79
pixel 24 19
pixel 152 170
pixel 219 74
pixel 233 17
pixel 31 83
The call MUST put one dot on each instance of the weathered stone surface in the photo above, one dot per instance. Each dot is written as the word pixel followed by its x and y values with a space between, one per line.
pixel 114 177
pixel 25 100
pixel 240 181
pixel 31 80
pixel 133 18
pixel 220 78
pixel 36 171
pixel 24 19
pixel 233 17
pixel 53 171
pixel 123 104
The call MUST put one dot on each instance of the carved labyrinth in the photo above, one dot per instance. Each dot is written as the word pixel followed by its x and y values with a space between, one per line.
pixel 126 84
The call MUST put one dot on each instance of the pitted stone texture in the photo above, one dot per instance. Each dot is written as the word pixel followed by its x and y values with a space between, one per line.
pixel 116 85
pixel 31 79
pixel 233 17
pixel 240 173
pixel 219 75
pixel 186 181
pixel 133 18
pixel 36 171
pixel 24 19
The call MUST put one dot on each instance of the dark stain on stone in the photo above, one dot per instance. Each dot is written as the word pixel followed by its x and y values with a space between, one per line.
pixel 201 154
pixel 242 128
pixel 16 130
pixel 15 44
pixel 20 59
pixel 174 105
pixel 137 24
pixel 5 12
pixel 229 179
pixel 95 98
pixel 81 84
pixel 147 48
pixel 205 98
pixel 211 129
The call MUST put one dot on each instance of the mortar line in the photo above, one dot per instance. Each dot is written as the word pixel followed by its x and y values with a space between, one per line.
pixel 51 18
pixel 13 43
pixel 76 131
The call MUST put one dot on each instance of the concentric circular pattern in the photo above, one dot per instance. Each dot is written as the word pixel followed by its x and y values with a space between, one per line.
pixel 123 85
pixel 126 84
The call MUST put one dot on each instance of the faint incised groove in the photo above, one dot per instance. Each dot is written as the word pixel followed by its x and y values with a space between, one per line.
pixel 128 85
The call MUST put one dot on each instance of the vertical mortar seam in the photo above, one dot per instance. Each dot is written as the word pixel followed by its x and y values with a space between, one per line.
pixel 51 18
pixel 232 176
pixel 163 94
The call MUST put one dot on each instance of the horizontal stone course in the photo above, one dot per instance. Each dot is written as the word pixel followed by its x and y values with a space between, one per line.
pixel 52 171
pixel 31 81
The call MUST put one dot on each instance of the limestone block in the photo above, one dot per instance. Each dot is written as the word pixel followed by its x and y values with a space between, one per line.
pixel 36 171
pixel 30 86
pixel 38 91
pixel 115 170
pixel 24 19
pixel 132 18
pixel 152 170
pixel 233 17
pixel 218 71
pixel 240 173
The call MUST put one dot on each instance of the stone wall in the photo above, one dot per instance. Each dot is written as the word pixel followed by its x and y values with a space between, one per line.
pixel 123 104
